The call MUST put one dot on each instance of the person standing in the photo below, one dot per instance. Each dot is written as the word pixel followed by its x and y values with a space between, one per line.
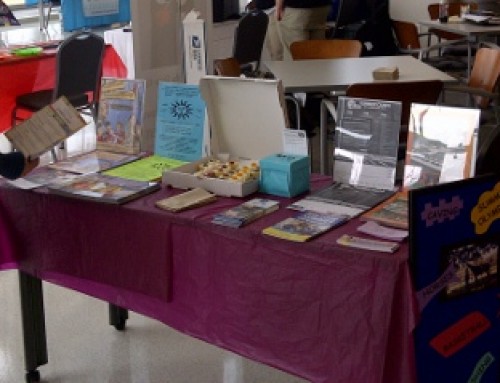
pixel 301 20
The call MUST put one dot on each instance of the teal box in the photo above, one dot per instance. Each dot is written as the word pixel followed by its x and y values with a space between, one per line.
pixel 284 175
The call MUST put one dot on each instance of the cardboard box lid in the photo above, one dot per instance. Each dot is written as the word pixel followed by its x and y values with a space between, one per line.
pixel 247 116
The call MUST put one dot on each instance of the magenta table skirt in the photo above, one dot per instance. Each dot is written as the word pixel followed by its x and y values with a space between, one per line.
pixel 317 310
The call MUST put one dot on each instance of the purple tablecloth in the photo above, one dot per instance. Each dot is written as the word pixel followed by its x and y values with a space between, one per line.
pixel 317 310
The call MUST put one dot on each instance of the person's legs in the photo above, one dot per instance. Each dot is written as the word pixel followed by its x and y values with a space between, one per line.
pixel 273 41
pixel 302 24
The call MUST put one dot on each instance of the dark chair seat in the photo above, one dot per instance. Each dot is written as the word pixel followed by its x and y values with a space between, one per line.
pixel 38 100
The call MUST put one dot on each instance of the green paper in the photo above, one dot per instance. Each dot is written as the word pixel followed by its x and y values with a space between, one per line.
pixel 146 169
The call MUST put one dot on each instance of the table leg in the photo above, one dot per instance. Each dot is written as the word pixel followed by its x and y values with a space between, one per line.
pixel 33 319
pixel 117 316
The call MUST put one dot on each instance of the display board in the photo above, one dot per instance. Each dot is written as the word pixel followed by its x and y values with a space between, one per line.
pixel 77 14
pixel 455 241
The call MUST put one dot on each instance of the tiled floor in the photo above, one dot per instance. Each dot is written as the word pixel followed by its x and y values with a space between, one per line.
pixel 83 348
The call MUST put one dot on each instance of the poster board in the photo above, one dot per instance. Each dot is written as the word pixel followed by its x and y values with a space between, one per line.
pixel 455 242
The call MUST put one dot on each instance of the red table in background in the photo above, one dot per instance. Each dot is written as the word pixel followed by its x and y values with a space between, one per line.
pixel 318 310
pixel 24 75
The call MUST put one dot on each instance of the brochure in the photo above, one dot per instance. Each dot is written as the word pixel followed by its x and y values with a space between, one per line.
pixel 246 212
pixel 46 128
pixel 95 161
pixel 305 226
pixel 103 188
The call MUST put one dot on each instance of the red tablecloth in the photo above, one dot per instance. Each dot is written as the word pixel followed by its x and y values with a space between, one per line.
pixel 19 76
pixel 317 310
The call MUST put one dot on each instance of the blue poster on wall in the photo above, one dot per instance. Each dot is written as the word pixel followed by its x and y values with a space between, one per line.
pixel 455 242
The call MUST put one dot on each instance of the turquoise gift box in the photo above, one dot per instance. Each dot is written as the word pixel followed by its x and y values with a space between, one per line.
pixel 284 175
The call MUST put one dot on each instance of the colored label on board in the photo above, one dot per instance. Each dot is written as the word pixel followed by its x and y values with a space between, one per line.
pixel 481 367
pixel 487 210
pixel 460 334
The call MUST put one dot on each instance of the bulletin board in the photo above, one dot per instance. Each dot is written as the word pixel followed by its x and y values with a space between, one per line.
pixel 455 242
pixel 79 14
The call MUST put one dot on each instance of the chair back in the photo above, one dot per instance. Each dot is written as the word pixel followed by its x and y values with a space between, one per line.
pixel 228 67
pixel 325 49
pixel 406 34
pixel 249 37
pixel 424 92
pixel 79 65
pixel 485 74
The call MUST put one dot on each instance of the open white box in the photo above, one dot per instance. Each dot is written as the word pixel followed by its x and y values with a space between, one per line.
pixel 247 118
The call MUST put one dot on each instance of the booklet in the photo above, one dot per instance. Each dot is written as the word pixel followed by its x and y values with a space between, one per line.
pixel 246 212
pixel 46 128
pixel 120 115
pixel 392 212
pixel 305 226
pixel 187 200
pixel 103 188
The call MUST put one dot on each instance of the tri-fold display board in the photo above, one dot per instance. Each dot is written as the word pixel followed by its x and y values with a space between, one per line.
pixel 455 242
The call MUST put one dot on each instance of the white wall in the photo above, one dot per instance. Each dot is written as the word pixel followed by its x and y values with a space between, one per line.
pixel 409 10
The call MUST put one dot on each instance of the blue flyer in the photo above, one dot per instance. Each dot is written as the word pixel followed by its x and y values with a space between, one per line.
pixel 179 122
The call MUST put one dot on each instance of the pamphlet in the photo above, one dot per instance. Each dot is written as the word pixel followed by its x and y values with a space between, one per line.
pixel 92 162
pixel 149 168
pixel 392 212
pixel 120 115
pixel 46 128
pixel 179 122
pixel 187 200
pixel 368 244
pixel 379 231
pixel 43 176
pixel 305 226
pixel 246 212
pixel 103 188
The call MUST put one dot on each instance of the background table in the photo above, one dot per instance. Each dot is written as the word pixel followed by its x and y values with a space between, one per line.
pixel 336 75
pixel 472 32
pixel 19 76
pixel 317 310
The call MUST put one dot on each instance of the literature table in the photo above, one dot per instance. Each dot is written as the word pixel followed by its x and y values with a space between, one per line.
pixel 317 310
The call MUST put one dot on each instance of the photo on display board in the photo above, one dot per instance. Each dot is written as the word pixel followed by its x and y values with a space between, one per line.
pixel 475 265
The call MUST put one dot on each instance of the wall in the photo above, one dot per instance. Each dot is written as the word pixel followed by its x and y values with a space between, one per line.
pixel 406 10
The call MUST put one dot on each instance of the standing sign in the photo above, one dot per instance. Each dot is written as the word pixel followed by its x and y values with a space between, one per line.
pixel 455 241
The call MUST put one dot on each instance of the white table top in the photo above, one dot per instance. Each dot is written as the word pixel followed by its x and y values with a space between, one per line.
pixel 462 28
pixel 338 74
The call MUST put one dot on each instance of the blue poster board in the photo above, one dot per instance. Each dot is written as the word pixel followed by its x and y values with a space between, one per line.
pixel 455 241
pixel 73 16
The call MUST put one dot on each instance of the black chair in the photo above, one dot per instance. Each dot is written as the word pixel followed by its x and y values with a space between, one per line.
pixel 78 73
pixel 249 39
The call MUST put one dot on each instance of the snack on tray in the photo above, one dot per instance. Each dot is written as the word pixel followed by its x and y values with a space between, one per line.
pixel 229 170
